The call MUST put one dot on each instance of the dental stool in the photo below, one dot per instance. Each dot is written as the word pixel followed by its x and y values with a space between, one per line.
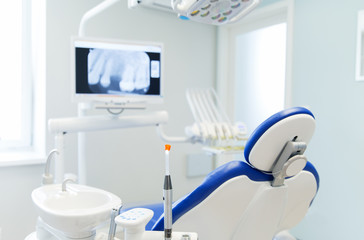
pixel 258 199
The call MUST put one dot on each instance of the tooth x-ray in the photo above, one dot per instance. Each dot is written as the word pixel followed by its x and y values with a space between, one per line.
pixel 117 69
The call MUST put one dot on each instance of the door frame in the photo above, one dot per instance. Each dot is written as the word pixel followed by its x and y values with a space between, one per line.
pixel 271 14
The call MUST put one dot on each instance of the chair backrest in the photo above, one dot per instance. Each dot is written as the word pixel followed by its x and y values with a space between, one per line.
pixel 238 201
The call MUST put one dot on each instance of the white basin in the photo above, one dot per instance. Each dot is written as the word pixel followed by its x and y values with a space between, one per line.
pixel 76 211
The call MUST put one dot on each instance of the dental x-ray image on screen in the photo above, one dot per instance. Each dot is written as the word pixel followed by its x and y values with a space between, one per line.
pixel 118 71
pixel 123 70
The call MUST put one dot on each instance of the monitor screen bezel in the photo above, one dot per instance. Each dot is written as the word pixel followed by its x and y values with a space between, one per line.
pixel 112 98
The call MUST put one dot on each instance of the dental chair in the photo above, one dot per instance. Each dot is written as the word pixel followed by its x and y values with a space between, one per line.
pixel 259 199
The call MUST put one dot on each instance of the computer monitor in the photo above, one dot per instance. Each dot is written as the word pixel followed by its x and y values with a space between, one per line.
pixel 117 72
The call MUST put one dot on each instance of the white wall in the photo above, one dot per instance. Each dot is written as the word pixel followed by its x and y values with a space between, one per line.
pixel 130 162
pixel 324 79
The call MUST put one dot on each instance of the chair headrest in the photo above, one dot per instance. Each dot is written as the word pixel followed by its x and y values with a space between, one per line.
pixel 269 138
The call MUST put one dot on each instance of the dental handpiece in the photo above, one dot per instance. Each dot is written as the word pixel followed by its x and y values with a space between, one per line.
pixel 167 197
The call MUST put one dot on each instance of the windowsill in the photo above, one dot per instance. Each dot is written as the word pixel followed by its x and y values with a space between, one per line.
pixel 21 158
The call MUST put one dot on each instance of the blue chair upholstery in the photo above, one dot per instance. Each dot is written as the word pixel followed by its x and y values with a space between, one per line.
pixel 263 127
pixel 212 182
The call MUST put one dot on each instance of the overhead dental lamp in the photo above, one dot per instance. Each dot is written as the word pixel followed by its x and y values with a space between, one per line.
pixel 216 12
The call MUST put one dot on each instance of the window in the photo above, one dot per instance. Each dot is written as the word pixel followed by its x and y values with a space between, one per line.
pixel 22 26
pixel 15 90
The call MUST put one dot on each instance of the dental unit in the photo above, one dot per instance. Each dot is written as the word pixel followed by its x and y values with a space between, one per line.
pixel 134 221
pixel 263 197
pixel 212 126
pixel 47 176
pixel 277 186
pixel 167 197
pixel 71 211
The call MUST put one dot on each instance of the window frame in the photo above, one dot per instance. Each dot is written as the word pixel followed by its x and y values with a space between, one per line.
pixel 31 150
pixel 25 87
